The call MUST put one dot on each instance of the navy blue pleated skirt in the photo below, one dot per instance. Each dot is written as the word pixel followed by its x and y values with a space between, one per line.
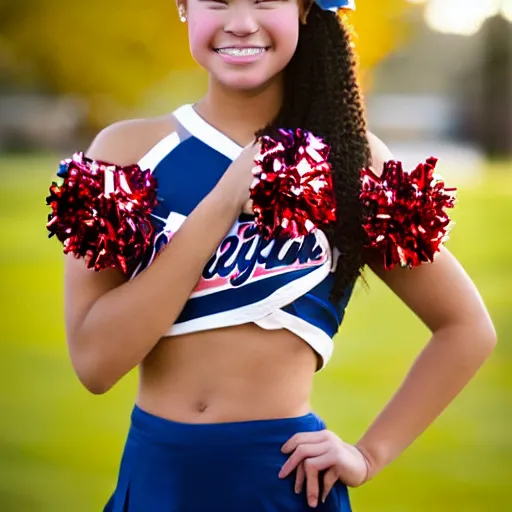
pixel 223 467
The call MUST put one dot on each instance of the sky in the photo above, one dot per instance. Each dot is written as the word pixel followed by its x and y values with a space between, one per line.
pixel 462 17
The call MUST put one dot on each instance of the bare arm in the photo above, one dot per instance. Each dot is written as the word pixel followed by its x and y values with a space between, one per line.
pixel 442 295
pixel 111 323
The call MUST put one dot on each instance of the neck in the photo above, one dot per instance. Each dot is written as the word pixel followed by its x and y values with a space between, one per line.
pixel 239 114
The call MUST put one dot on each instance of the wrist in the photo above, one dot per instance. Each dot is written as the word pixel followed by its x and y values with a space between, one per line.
pixel 371 465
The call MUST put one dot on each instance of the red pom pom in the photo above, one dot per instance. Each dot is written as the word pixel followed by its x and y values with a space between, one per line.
pixel 407 223
pixel 101 212
pixel 292 193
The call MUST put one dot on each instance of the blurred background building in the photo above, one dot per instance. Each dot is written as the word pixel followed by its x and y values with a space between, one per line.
pixel 437 71
pixel 450 86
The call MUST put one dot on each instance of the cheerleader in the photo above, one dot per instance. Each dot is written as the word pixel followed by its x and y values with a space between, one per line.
pixel 226 289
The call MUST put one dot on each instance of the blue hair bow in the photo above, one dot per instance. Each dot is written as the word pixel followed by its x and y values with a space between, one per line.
pixel 335 5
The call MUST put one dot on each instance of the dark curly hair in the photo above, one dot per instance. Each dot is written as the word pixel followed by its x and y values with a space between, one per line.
pixel 322 95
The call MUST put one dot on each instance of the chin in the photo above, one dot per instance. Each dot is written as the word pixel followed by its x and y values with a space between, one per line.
pixel 246 83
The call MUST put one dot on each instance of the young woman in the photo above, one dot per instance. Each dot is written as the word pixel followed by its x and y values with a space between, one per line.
pixel 227 345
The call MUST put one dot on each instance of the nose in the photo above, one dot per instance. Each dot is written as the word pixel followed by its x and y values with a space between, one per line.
pixel 241 21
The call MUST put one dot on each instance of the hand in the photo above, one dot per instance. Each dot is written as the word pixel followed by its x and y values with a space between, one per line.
pixel 236 181
pixel 313 452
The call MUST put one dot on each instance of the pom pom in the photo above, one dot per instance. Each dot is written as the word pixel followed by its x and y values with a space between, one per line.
pixel 292 191
pixel 408 222
pixel 101 212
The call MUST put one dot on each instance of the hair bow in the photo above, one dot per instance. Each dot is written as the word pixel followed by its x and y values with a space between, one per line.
pixel 336 5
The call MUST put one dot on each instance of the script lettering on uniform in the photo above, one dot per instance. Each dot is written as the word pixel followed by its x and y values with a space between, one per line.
pixel 240 254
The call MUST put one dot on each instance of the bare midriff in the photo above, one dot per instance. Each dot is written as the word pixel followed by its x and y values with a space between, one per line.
pixel 239 373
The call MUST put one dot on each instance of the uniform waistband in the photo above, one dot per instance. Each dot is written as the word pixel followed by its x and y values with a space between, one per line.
pixel 157 429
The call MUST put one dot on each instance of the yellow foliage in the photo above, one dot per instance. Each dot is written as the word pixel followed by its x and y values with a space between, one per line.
pixel 113 52
pixel 380 27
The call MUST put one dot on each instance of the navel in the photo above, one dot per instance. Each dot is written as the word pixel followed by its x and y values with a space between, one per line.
pixel 201 407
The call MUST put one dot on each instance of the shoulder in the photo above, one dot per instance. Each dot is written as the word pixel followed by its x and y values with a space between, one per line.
pixel 126 142
pixel 379 151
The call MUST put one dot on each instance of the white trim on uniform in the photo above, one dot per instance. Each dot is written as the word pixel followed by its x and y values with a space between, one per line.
pixel 319 341
pixel 198 127
pixel 159 151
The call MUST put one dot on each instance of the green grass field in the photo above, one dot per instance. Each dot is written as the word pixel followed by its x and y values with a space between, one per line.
pixel 60 446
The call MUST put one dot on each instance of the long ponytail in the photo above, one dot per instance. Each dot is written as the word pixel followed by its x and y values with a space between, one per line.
pixel 322 95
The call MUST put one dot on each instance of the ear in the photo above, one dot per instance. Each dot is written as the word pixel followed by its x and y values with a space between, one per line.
pixel 304 8
pixel 181 5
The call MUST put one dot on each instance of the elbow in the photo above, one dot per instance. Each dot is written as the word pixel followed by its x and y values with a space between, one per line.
pixel 487 331
pixel 488 336
pixel 484 335
pixel 477 335
pixel 94 384
pixel 95 376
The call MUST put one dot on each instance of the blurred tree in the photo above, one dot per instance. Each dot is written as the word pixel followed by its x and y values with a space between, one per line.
pixel 381 26
pixel 107 51
pixel 495 129
pixel 113 52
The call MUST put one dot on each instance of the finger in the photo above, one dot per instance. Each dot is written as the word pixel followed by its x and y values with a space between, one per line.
pixel 304 438
pixel 330 478
pixel 248 207
pixel 304 451
pixel 321 462
pixel 312 485
pixel 299 478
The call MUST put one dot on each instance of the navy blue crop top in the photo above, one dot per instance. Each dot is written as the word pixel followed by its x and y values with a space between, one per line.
pixel 274 284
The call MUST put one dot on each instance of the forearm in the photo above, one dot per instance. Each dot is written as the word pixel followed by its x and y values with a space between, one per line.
pixel 441 371
pixel 126 323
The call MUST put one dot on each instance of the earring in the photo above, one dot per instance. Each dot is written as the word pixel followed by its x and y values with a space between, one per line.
pixel 182 13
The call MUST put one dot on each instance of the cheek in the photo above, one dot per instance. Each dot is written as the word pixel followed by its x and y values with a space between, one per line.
pixel 202 28
pixel 283 29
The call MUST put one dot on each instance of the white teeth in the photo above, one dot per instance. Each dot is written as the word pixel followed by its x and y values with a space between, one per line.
pixel 240 52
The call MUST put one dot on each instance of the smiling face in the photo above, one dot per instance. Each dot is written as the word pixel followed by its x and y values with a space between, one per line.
pixel 243 44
